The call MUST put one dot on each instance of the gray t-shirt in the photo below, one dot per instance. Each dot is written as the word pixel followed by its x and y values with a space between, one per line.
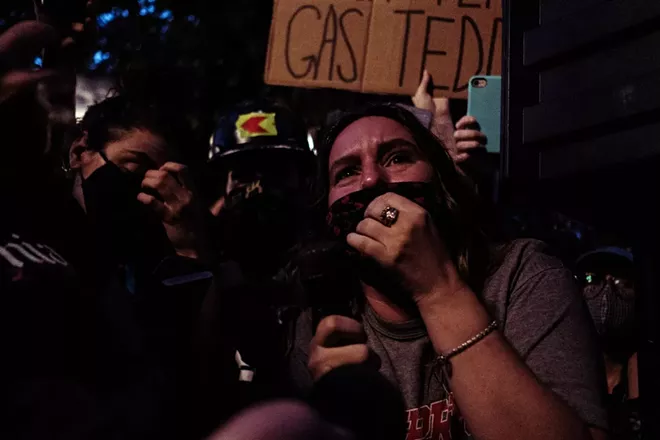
pixel 539 311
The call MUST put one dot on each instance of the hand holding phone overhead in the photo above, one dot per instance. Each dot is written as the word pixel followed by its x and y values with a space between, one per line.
pixel 485 105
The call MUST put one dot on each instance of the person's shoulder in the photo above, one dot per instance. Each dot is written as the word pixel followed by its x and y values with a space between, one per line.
pixel 525 258
pixel 519 263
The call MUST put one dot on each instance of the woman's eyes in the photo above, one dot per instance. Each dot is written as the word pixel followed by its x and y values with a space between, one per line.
pixel 400 157
pixel 135 164
pixel 394 158
pixel 345 173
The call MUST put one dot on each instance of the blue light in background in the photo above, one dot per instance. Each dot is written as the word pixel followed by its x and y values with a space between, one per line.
pixel 164 28
pixel 125 13
pixel 166 14
pixel 38 61
pixel 191 18
pixel 151 9
pixel 105 18
pixel 98 57
pixel 143 12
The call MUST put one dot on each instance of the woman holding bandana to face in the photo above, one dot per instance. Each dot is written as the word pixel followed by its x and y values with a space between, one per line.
pixel 483 341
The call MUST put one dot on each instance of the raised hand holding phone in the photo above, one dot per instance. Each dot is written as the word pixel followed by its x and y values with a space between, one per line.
pixel 462 141
pixel 485 106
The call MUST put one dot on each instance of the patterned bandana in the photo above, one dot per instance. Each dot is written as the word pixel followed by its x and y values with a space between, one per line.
pixel 345 214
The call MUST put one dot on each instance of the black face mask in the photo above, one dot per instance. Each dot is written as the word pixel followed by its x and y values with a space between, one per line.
pixel 126 231
pixel 257 227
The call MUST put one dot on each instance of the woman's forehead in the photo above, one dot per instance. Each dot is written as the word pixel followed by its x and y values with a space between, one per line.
pixel 141 141
pixel 366 134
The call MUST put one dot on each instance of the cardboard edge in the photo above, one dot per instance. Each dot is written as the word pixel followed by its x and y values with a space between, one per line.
pixel 271 36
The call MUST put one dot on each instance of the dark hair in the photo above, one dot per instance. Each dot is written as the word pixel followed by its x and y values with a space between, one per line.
pixel 462 227
pixel 120 112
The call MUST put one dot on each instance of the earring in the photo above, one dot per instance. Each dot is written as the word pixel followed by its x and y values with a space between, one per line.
pixel 68 172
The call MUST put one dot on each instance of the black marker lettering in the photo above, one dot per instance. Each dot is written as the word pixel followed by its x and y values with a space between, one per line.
pixel 330 19
pixel 351 53
pixel 461 53
pixel 493 41
pixel 462 4
pixel 427 51
pixel 406 37
pixel 312 62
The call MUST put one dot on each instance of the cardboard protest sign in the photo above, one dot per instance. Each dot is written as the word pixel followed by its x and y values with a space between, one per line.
pixel 383 46
pixel 318 43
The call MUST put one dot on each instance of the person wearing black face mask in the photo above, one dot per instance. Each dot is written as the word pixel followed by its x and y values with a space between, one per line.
pixel 133 196
pixel 257 175
pixel 126 231
pixel 109 162
pixel 62 377
pixel 132 191
pixel 605 275
pixel 259 168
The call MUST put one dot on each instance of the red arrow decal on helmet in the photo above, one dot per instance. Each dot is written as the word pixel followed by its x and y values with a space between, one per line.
pixel 253 125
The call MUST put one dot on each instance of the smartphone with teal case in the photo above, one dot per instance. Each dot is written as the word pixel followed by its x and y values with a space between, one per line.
pixel 485 104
